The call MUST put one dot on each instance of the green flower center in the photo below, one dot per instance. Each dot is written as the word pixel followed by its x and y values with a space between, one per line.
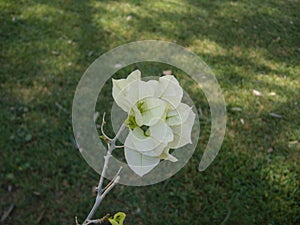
pixel 130 122
pixel 140 106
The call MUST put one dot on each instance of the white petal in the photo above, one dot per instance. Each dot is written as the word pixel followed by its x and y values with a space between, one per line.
pixel 179 115
pixel 167 156
pixel 182 133
pixel 120 89
pixel 163 135
pixel 135 75
pixel 161 132
pixel 139 163
pixel 154 84
pixel 138 116
pixel 137 91
pixel 137 140
pixel 153 145
pixel 153 111
pixel 170 90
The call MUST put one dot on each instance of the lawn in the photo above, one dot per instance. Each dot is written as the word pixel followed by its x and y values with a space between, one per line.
pixel 253 47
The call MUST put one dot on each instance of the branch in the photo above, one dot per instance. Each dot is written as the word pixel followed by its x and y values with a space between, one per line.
pixel 119 146
pixel 110 187
pixel 108 139
pixel 113 180
pixel 100 195
pixel 99 221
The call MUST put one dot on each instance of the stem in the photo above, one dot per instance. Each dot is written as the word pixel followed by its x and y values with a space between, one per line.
pixel 100 195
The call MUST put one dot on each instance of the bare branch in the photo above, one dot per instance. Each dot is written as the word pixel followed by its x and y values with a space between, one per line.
pixel 98 221
pixel 76 221
pixel 117 174
pixel 108 139
pixel 119 146
pixel 110 187
pixel 100 195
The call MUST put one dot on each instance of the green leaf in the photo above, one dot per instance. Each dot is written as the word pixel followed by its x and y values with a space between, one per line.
pixel 118 218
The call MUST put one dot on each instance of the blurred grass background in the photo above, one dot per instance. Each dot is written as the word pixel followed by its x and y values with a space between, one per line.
pixel 250 45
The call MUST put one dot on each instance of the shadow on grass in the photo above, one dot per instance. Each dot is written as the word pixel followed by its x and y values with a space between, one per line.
pixel 43 53
pixel 269 25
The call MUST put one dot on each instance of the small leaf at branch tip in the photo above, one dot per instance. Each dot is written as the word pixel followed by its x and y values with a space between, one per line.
pixel 257 93
pixel 118 218
pixel 275 115
pixel 102 138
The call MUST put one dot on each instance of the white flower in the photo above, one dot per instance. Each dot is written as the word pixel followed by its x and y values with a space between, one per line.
pixel 126 92
pixel 143 145
pixel 157 119
pixel 182 131
pixel 149 111
pixel 169 90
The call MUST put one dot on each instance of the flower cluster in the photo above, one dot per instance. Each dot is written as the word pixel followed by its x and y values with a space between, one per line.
pixel 157 119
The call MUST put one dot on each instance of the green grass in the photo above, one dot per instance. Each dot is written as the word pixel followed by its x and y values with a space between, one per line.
pixel 47 45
